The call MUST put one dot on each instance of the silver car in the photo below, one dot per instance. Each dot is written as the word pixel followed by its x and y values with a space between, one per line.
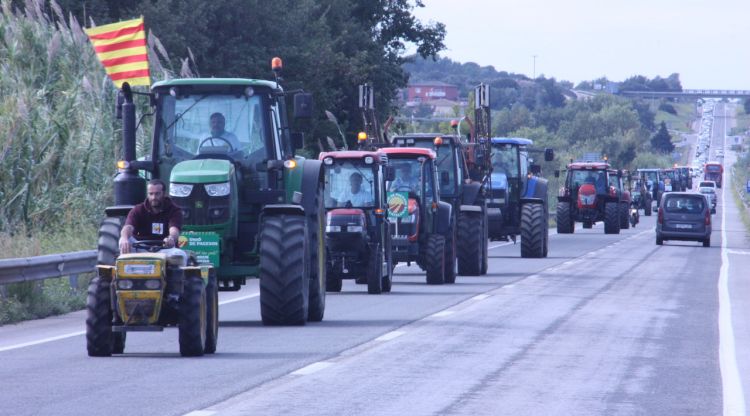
pixel 684 216
pixel 710 193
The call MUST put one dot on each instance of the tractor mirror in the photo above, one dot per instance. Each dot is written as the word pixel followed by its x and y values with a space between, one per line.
pixel 549 155
pixel 445 178
pixel 303 103
pixel 298 140
pixel 536 169
pixel 390 173
pixel 557 173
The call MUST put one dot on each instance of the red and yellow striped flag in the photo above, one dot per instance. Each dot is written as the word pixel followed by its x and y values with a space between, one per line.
pixel 121 48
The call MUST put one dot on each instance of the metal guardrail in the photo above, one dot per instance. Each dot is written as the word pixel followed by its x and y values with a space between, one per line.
pixel 47 267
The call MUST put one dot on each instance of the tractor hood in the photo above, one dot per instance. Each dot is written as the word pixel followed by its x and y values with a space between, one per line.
pixel 499 180
pixel 202 171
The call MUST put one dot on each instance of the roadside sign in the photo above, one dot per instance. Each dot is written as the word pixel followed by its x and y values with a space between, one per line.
pixel 205 245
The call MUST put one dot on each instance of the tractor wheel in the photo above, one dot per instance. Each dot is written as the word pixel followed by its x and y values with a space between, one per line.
pixel 434 258
pixel 193 313
pixel 212 313
pixel 532 231
pixel 469 248
pixel 316 233
pixel 624 216
pixel 388 278
pixel 565 223
pixel 99 339
pixel 118 342
pixel 546 234
pixel 333 283
pixel 485 239
pixel 108 247
pixel 612 218
pixel 284 265
pixel 647 209
pixel 375 271
pixel 450 256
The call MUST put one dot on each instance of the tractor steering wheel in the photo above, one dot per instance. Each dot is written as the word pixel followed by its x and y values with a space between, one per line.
pixel 151 246
pixel 212 138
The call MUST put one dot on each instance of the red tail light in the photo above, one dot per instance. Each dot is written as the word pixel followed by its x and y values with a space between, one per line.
pixel 708 217
pixel 661 216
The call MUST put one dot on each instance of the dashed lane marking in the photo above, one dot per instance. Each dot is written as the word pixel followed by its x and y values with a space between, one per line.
pixel 390 335
pixel 442 314
pixel 312 368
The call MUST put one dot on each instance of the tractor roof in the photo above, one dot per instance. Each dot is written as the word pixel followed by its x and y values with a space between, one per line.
pixel 216 81
pixel 712 162
pixel 426 136
pixel 407 151
pixel 349 154
pixel 512 140
pixel 589 165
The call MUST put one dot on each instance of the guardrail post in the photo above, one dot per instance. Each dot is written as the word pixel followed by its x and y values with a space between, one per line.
pixel 73 281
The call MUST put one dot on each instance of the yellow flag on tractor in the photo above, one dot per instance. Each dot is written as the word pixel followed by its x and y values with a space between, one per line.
pixel 121 48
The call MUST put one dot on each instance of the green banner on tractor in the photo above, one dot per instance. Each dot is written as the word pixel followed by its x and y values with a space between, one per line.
pixel 206 246
pixel 398 204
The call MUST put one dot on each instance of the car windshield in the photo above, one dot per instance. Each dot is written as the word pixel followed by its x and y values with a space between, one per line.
pixel 706 184
pixel 349 184
pixel 445 163
pixel 684 204
pixel 214 123
pixel 505 160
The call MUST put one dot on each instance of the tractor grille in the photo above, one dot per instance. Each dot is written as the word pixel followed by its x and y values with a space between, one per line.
pixel 200 209
pixel 139 310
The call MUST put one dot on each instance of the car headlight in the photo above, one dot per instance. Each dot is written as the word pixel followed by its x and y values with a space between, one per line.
pixel 153 284
pixel 217 189
pixel 354 228
pixel 180 189
pixel 124 284
pixel 333 228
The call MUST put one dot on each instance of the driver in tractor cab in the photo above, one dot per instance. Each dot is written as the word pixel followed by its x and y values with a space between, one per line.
pixel 156 218
pixel 355 194
pixel 216 123
pixel 404 181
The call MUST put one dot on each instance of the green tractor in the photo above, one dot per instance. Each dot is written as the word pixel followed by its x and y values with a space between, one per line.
pixel 251 207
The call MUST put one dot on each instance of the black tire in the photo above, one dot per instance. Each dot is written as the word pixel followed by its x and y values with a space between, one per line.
pixel 388 278
pixel 284 265
pixel 212 313
pixel 108 247
pixel 565 224
pixel 647 210
pixel 192 326
pixel 434 259
pixel 99 338
pixel 624 216
pixel 118 342
pixel 469 249
pixel 707 242
pixel 333 283
pixel 375 271
pixel 612 218
pixel 485 240
pixel 450 256
pixel 546 234
pixel 532 231
pixel 659 241
pixel 316 233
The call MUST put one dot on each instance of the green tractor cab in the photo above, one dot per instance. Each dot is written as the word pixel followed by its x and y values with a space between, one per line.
pixel 252 208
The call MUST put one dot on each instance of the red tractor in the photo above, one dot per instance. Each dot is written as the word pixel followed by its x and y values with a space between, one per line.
pixel 422 222
pixel 587 196
pixel 358 240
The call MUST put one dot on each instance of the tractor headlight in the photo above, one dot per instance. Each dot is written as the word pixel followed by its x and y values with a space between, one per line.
pixel 217 189
pixel 124 284
pixel 354 228
pixel 180 189
pixel 153 284
pixel 333 228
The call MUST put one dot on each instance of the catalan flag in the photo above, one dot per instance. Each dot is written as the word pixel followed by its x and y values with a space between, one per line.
pixel 121 48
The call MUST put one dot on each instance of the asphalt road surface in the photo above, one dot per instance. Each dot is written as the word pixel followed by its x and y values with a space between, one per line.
pixel 608 324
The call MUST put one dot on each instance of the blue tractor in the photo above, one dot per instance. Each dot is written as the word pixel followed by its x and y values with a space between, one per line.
pixel 518 196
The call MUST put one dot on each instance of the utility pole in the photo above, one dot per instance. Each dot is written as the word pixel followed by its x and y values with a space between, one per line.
pixel 534 76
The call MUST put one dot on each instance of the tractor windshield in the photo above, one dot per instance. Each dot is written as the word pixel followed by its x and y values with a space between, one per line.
pixel 409 177
pixel 349 183
pixel 446 164
pixel 505 160
pixel 598 178
pixel 214 124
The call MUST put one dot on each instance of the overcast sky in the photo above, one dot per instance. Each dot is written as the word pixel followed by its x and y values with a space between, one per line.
pixel 706 41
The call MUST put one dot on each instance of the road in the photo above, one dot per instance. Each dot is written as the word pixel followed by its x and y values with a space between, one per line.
pixel 608 324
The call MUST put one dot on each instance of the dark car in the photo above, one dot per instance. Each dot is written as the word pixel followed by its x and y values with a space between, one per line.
pixel 684 216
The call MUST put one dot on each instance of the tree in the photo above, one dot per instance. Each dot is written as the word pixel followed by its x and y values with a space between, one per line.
pixel 662 140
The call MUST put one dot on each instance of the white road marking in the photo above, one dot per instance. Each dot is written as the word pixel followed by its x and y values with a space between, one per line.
pixel 200 413
pixel 42 341
pixel 312 368
pixel 742 252
pixel 442 314
pixel 239 299
pixel 481 296
pixel 733 397
pixel 390 335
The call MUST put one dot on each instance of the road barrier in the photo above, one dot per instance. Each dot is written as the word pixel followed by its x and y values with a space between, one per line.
pixel 47 267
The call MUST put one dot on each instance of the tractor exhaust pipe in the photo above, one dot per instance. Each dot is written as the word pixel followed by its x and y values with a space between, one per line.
pixel 129 187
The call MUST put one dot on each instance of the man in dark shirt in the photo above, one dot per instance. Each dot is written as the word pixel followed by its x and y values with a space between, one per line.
pixel 155 218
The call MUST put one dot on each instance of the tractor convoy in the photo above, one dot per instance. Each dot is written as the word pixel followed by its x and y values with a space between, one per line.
pixel 254 208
